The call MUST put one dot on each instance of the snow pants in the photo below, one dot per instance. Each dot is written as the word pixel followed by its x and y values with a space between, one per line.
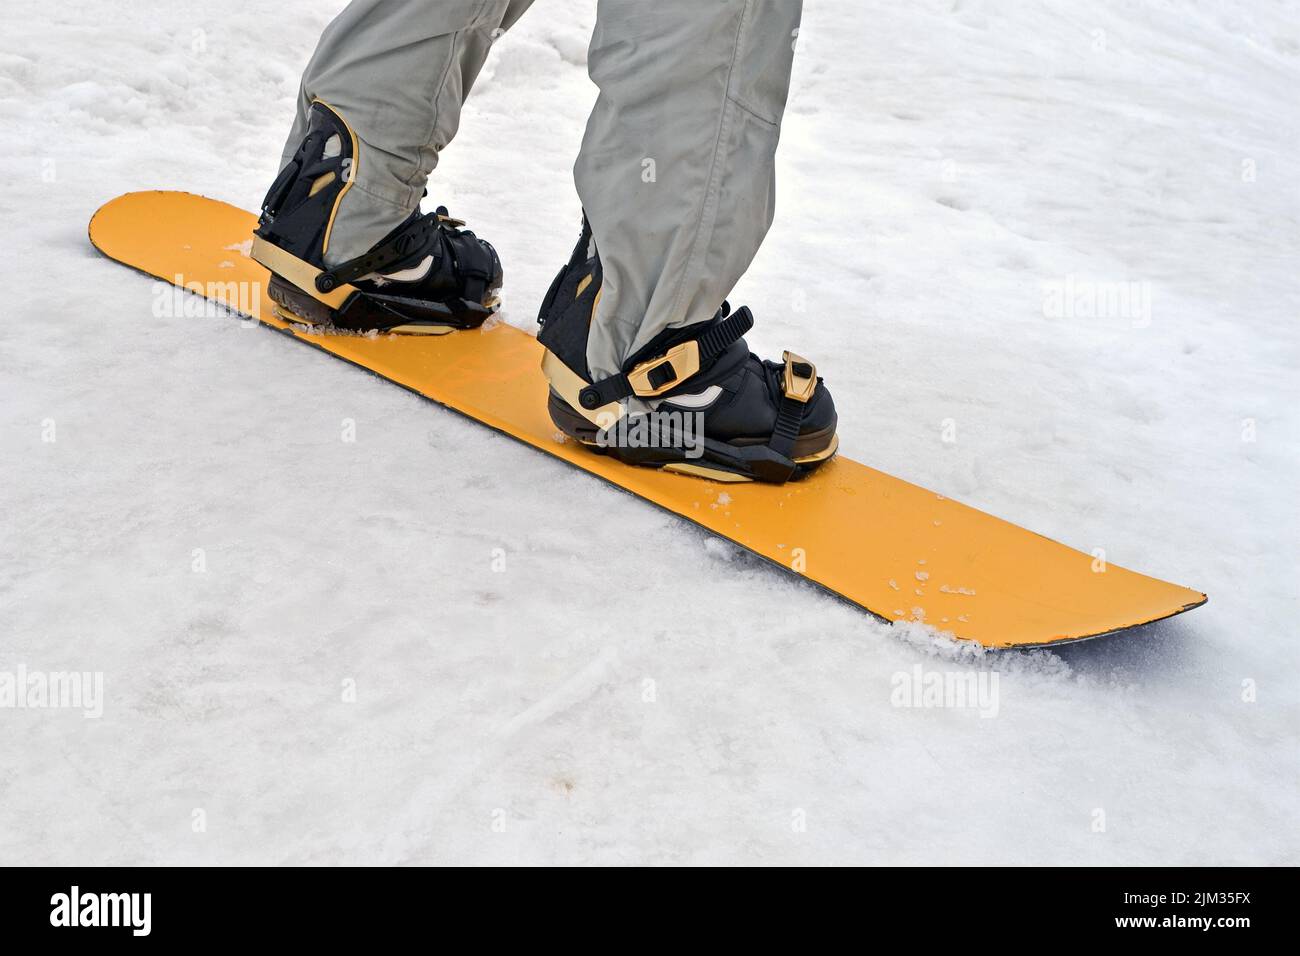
pixel 676 170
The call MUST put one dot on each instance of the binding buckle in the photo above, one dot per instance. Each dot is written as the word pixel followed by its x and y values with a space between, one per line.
pixel 658 375
pixel 800 379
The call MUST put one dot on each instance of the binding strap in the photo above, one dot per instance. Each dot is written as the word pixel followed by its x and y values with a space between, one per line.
pixel 665 372
pixel 418 235
pixel 798 383
pixel 473 265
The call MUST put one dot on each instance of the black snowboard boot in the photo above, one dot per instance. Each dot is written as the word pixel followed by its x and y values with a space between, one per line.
pixel 716 410
pixel 428 276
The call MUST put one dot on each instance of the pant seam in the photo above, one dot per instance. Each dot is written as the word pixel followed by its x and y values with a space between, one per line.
pixel 753 112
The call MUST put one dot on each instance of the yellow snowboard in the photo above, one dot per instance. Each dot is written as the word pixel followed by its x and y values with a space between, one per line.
pixel 899 551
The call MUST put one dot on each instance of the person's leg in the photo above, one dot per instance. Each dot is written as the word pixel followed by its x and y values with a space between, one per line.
pixel 676 177
pixel 676 169
pixel 398 71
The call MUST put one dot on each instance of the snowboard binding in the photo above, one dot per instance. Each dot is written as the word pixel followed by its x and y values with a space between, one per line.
pixel 715 409
pixel 426 277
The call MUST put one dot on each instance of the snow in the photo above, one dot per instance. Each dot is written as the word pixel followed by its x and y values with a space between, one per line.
pixel 431 645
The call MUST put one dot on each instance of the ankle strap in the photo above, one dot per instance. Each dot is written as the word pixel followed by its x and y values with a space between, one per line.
pixel 389 252
pixel 672 367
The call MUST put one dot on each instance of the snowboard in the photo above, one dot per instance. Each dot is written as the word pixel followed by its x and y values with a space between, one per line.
pixel 895 549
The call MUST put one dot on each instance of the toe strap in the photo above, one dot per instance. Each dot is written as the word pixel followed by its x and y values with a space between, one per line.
pixel 798 382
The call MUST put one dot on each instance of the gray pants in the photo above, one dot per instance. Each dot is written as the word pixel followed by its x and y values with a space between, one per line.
pixel 676 172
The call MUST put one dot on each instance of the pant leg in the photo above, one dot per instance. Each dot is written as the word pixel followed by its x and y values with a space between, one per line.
pixel 398 72
pixel 676 172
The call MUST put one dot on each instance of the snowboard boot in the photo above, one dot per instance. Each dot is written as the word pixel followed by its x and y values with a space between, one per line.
pixel 715 409
pixel 428 276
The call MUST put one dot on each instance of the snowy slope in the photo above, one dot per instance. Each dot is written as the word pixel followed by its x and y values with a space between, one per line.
pixel 947 166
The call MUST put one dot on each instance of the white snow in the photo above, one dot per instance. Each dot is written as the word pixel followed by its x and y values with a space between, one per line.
pixel 1044 253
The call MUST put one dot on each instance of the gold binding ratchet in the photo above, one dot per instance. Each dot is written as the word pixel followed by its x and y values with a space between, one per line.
pixel 683 360
pixel 800 379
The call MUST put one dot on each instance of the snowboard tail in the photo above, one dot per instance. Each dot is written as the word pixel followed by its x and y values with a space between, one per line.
pixel 893 548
